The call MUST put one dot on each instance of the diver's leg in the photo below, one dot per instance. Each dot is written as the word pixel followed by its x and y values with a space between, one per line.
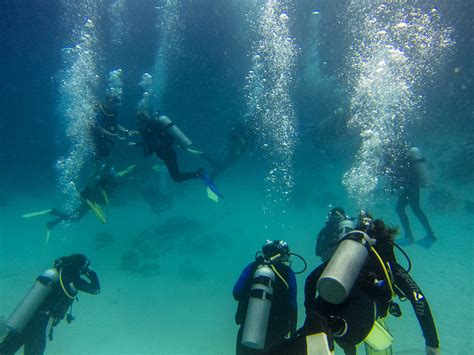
pixel 171 161
pixel 414 201
pixel 400 208
pixel 36 342
pixel 11 343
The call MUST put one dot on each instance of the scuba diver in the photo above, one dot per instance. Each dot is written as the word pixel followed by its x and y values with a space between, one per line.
pixel 347 297
pixel 102 182
pixel 266 292
pixel 337 224
pixel 407 175
pixel 50 298
pixel 106 127
pixel 240 139
pixel 159 134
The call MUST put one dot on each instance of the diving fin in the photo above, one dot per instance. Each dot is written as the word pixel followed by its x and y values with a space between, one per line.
pixel 405 242
pixel 156 168
pixel 193 151
pixel 99 213
pixel 126 171
pixel 426 242
pixel 48 235
pixel 211 186
pixel 37 213
pixel 379 341
pixel 212 195
pixel 106 198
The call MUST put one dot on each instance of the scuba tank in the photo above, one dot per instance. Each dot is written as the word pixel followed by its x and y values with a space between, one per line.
pixel 341 272
pixel 173 131
pixel 258 310
pixel 420 167
pixel 345 226
pixel 32 301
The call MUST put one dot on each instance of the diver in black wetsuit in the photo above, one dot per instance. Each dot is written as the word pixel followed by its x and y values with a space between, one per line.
pixel 351 321
pixel 157 141
pixel 106 127
pixel 328 236
pixel 62 284
pixel 283 313
pixel 240 139
pixel 405 181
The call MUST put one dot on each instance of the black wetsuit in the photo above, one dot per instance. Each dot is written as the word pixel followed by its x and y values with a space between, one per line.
pixel 406 183
pixel 358 309
pixel 156 141
pixel 327 239
pixel 283 312
pixel 33 337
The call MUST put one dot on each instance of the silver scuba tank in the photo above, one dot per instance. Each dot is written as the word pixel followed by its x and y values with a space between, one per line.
pixel 258 310
pixel 420 166
pixel 344 227
pixel 28 306
pixel 341 272
pixel 170 128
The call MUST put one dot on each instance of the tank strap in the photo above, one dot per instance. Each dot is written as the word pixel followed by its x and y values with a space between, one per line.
pixel 261 294
pixel 263 280
pixel 169 125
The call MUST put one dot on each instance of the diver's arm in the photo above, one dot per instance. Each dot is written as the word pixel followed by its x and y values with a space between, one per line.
pixel 310 288
pixel 92 286
pixel 420 305
pixel 293 301
pixel 239 287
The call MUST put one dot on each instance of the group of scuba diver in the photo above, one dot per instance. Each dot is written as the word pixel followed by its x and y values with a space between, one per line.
pixel 346 298
pixel 159 136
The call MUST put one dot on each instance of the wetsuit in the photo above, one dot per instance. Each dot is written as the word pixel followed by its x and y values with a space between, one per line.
pixel 156 141
pixel 367 293
pixel 408 186
pixel 33 337
pixel 327 239
pixel 283 312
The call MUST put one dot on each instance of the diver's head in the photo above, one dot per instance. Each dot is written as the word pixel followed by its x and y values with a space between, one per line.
pixel 142 117
pixel 365 221
pixel 277 250
pixel 77 263
pixel 112 104
pixel 336 214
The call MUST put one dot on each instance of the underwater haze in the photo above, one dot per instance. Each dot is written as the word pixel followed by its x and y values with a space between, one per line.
pixel 326 90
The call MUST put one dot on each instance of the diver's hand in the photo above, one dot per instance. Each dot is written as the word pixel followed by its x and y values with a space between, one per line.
pixel 132 144
pixel 432 351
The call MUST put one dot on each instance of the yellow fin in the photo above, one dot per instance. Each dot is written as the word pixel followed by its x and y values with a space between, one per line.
pixel 97 210
pixel 194 151
pixel 156 168
pixel 127 170
pixel 212 195
pixel 379 338
pixel 37 213
pixel 48 235
pixel 106 198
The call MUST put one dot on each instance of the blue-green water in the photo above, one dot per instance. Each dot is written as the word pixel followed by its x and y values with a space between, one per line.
pixel 331 84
